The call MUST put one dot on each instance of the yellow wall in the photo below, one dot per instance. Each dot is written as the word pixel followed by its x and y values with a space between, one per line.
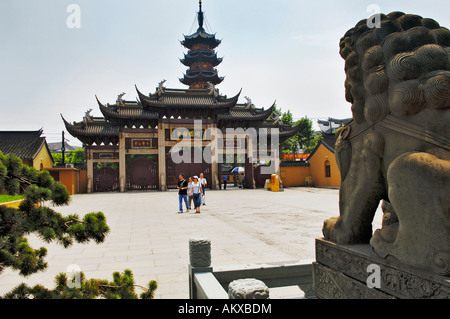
pixel 83 182
pixel 69 177
pixel 294 176
pixel 317 162
pixel 43 157
pixel 14 204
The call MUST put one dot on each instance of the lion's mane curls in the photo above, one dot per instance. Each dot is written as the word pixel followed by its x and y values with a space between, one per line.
pixel 400 68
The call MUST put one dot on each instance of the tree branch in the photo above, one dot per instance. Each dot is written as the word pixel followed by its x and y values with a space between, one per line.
pixel 118 287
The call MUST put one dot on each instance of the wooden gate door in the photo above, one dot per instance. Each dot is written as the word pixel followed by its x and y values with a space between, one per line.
pixel 142 173
pixel 188 169
pixel 106 179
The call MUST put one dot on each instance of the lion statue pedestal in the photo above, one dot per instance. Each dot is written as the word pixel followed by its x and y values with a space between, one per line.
pixel 396 151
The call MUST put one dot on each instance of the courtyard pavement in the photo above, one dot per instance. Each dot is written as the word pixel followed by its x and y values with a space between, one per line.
pixel 149 237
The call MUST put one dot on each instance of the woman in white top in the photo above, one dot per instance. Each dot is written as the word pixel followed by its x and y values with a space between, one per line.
pixel 197 193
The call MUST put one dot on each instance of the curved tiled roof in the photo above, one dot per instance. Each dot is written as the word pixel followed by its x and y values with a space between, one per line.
pixel 284 131
pixel 294 164
pixel 193 76
pixel 201 56
pixel 246 114
pixel 97 132
pixel 127 112
pixel 24 144
pixel 201 37
pixel 187 99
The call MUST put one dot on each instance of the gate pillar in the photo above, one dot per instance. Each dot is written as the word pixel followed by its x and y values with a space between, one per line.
pixel 162 156
pixel 122 163
pixel 215 182
pixel 90 171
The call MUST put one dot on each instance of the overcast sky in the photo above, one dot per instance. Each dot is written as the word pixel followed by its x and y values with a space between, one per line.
pixel 283 50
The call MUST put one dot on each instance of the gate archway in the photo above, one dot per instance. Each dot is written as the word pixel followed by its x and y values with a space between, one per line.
pixel 142 172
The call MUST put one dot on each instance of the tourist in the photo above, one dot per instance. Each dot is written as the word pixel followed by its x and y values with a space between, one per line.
pixel 182 192
pixel 190 197
pixel 203 182
pixel 225 180
pixel 197 193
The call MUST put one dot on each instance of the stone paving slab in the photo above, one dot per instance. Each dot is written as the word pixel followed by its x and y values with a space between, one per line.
pixel 149 237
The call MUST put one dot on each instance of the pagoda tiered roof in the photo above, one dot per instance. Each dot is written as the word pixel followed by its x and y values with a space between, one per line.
pixel 201 37
pixel 195 76
pixel 201 56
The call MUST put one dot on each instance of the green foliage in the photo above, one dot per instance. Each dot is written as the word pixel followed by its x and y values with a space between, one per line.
pixel 48 225
pixel 77 287
pixel 77 156
pixel 305 137
pixel 304 140
pixel 34 217
pixel 9 198
pixel 313 143
pixel 57 158
pixel 2 171
pixel 10 178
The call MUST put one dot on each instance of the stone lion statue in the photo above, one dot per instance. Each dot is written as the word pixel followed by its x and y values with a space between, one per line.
pixel 396 150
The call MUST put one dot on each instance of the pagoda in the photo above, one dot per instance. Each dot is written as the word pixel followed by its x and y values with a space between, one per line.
pixel 201 57
pixel 130 147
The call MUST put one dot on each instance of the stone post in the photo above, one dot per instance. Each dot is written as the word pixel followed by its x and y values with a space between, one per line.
pixel 199 260
pixel 248 289
pixel 200 252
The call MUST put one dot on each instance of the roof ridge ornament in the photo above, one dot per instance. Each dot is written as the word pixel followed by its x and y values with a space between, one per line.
pixel 212 90
pixel 120 100
pixel 161 88
pixel 88 116
pixel 249 103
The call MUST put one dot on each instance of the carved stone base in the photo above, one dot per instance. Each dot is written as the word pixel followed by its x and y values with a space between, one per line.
pixel 355 272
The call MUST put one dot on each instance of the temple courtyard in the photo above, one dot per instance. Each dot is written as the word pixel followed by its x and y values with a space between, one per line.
pixel 150 237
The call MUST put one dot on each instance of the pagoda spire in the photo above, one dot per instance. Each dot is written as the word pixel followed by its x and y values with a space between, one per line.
pixel 201 16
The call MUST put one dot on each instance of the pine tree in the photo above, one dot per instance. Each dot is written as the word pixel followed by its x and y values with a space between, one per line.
pixel 35 217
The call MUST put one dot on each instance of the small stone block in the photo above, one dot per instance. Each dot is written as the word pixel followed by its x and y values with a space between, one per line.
pixel 248 289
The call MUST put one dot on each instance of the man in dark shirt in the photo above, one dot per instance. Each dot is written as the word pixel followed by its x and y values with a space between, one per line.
pixel 182 192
